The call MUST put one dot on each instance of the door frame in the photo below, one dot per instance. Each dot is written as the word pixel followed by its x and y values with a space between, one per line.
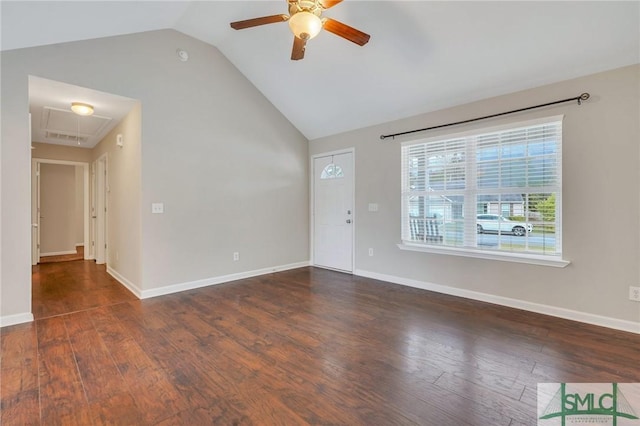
pixel 92 209
pixel 35 167
pixel 312 198
pixel 101 191
pixel 35 212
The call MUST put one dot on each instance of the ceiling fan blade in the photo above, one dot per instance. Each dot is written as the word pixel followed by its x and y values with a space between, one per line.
pixel 345 31
pixel 299 46
pixel 326 4
pixel 240 25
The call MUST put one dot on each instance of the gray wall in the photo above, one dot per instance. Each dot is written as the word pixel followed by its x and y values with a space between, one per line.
pixel 601 187
pixel 123 197
pixel 231 170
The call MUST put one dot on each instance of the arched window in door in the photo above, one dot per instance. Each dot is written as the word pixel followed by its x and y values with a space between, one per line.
pixel 332 171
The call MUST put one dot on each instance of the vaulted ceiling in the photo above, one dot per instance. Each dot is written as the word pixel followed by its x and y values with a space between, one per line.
pixel 422 56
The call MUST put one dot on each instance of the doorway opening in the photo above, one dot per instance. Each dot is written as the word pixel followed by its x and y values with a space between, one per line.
pixel 81 166
pixel 59 210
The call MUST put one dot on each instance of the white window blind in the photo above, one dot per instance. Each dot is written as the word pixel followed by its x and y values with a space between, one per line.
pixel 494 190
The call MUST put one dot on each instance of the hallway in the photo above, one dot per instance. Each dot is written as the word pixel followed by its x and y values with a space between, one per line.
pixel 66 287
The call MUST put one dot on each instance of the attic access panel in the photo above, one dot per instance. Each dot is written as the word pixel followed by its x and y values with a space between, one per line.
pixel 57 121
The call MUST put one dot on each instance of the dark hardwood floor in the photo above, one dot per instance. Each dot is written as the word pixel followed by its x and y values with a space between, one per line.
pixel 66 287
pixel 306 346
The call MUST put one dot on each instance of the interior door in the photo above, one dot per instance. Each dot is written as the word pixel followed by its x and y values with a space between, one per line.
pixel 101 213
pixel 333 211
pixel 91 250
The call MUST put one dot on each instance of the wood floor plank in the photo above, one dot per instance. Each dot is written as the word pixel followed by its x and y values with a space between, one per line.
pixel 19 391
pixel 79 415
pixel 305 346
pixel 62 394
pixel 509 408
pixel 619 361
pixel 218 414
pixel 119 409
pixel 20 408
pixel 133 363
pixel 19 354
pixel 192 384
pixel 61 390
pixel 530 396
pixel 254 365
pixel 568 371
pixel 52 331
pixel 99 374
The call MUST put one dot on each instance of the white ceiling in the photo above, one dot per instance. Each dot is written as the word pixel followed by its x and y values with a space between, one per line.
pixel 422 56
pixel 53 122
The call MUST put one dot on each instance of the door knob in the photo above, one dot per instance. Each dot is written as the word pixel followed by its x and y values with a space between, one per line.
pixel 348 220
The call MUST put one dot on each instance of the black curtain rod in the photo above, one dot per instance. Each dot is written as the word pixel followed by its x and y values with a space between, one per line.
pixel 582 97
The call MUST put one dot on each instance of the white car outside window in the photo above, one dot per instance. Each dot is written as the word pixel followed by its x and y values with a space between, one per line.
pixel 500 224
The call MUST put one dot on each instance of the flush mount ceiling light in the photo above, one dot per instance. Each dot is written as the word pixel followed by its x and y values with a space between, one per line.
pixel 81 108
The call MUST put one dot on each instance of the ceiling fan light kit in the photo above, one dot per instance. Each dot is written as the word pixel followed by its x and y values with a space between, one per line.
pixel 306 22
pixel 305 25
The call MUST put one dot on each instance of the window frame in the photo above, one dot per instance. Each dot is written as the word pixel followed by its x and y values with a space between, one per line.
pixel 472 189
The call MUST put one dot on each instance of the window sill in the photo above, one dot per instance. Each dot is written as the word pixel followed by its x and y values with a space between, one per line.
pixel 532 259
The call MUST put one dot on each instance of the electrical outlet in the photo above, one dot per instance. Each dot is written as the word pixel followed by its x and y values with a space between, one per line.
pixel 236 256
pixel 634 293
pixel 157 208
pixel 370 252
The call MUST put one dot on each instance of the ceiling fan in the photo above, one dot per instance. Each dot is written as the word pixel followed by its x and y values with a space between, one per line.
pixel 305 20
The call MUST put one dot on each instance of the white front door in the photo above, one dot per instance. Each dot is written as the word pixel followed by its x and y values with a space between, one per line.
pixel 333 211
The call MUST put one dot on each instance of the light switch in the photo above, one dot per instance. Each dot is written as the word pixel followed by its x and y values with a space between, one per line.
pixel 157 207
pixel 373 207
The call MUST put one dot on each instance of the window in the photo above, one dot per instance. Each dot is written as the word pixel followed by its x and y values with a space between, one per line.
pixel 492 191
pixel 332 171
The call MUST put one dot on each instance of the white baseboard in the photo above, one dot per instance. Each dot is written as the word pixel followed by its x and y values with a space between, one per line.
pixel 125 282
pixel 80 245
pixel 58 253
pixel 618 324
pixel 16 319
pixel 175 288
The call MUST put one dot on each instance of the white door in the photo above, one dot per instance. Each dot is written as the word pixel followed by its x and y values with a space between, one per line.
pixel 333 211
pixel 91 251
pixel 101 213
pixel 35 212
